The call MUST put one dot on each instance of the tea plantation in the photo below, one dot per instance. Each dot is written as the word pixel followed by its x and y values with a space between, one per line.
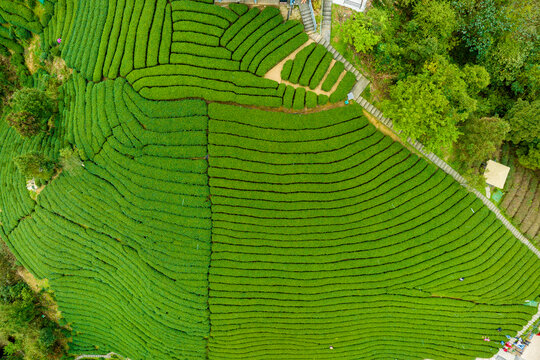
pixel 217 218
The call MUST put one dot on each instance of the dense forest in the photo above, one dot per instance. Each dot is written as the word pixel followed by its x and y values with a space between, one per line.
pixel 463 76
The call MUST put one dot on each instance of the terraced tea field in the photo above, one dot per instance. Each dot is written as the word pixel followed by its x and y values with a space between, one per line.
pixel 212 221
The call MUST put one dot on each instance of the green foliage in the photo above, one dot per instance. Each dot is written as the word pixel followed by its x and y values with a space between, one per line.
pixel 344 87
pixel 524 120
pixel 362 31
pixel 530 156
pixel 35 165
pixel 451 80
pixel 480 24
pixel 311 99
pixel 333 76
pixel 322 99
pixel 25 123
pixel 480 139
pixel 34 101
pixel 286 70
pixel 25 333
pixel 476 77
pixel 436 19
pixel 290 209
pixel 344 203
pixel 299 101
pixel 70 161
pixel 420 110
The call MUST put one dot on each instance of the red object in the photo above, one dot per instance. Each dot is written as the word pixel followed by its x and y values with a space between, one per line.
pixel 505 350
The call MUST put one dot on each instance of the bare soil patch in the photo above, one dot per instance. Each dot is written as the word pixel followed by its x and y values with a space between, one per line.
pixel 36 285
pixel 516 181
pixel 520 194
pixel 527 202
pixel 31 57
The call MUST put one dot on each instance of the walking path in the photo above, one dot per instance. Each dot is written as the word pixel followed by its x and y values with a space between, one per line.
pixel 308 17
pixel 108 356
pixel 326 24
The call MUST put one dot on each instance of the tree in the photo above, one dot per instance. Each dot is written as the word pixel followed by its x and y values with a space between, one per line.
pixel 476 77
pixel 71 161
pixel 34 101
pixel 530 157
pixel 363 30
pixel 35 165
pixel 421 111
pixel 25 123
pixel 436 19
pixel 480 139
pixel 524 120
pixel 480 23
pixel 30 110
pixel 451 80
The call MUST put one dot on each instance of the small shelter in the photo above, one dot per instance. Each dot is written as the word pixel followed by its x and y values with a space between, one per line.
pixel 496 174
pixel 31 185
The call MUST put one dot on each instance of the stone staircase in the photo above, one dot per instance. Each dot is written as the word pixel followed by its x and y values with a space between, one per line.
pixel 308 17
pixel 326 25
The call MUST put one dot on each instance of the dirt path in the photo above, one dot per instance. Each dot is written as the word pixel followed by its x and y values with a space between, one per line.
pixel 275 72
pixel 382 128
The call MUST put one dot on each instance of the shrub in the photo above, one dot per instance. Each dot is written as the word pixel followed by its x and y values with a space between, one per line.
pixel 321 70
pixel 322 99
pixel 288 97
pixel 311 99
pixel 300 62
pixel 311 65
pixel 299 98
pixel 333 76
pixel 239 9
pixel 70 161
pixel 343 88
pixel 35 165
pixel 286 70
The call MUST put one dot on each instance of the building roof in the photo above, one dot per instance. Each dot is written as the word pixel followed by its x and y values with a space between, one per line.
pixel 357 5
pixel 496 174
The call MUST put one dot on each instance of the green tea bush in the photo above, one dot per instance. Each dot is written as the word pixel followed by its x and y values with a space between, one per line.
pixel 299 98
pixel 311 65
pixel 311 99
pixel 286 70
pixel 321 70
pixel 333 76
pixel 344 87
pixel 300 61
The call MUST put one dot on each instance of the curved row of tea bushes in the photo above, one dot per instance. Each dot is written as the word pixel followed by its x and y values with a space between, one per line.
pixel 330 240
pixel 126 244
pixel 107 38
